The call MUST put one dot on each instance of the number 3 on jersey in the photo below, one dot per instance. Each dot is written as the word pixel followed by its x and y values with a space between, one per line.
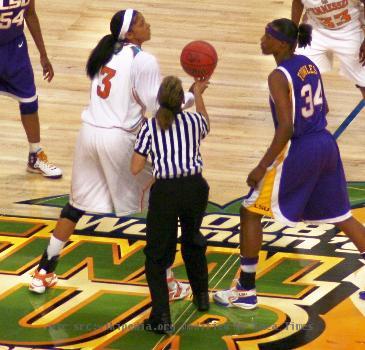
pixel 310 101
pixel 108 74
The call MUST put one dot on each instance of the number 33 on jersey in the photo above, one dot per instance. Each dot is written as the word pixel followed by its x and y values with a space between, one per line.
pixel 332 14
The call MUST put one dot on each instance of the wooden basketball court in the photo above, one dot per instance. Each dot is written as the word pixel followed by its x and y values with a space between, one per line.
pixel 311 299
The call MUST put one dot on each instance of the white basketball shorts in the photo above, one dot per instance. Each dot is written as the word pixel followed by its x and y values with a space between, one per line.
pixel 344 44
pixel 101 177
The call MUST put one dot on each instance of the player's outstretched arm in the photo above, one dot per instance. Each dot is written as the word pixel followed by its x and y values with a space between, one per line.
pixel 32 21
pixel 198 89
pixel 362 46
pixel 296 11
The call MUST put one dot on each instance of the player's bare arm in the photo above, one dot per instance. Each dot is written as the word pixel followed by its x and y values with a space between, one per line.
pixel 296 11
pixel 32 21
pixel 279 90
pixel 362 46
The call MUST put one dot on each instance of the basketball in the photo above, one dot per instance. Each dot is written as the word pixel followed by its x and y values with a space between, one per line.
pixel 199 59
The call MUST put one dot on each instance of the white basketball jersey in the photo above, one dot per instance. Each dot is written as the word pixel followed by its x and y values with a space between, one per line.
pixel 333 14
pixel 123 90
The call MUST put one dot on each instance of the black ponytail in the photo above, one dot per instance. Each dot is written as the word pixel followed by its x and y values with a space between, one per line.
pixel 304 35
pixel 104 50
pixel 100 56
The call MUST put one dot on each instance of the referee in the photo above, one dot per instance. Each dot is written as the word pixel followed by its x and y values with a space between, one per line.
pixel 172 139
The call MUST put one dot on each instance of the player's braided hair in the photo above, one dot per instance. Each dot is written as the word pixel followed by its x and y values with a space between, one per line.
pixel 170 97
pixel 303 33
pixel 104 50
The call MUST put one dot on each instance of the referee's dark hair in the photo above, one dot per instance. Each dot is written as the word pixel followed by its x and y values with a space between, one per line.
pixel 170 97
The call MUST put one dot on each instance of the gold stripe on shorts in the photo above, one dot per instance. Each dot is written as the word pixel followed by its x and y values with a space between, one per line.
pixel 263 203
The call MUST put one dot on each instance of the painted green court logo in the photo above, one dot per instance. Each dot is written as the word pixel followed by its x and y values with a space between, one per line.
pixel 102 297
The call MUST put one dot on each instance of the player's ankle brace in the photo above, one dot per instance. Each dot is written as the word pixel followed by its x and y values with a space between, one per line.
pixel 49 265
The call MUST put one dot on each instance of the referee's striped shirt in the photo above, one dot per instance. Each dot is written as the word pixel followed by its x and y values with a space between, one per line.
pixel 175 151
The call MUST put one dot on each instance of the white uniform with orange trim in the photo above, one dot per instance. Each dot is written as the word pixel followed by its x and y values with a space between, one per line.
pixel 337 30
pixel 123 91
pixel 101 177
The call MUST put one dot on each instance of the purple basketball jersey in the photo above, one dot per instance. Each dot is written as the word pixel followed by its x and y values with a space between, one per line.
pixel 310 181
pixel 12 19
pixel 306 89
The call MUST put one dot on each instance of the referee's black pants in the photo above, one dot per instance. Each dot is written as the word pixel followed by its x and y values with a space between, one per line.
pixel 186 199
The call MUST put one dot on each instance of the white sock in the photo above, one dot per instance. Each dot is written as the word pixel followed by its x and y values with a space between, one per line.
pixel 54 247
pixel 170 278
pixel 169 273
pixel 34 147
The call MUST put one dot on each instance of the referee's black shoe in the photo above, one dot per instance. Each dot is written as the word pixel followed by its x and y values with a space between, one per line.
pixel 201 300
pixel 158 324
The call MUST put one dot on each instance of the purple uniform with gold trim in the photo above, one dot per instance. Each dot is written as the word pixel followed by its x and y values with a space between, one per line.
pixel 16 73
pixel 307 181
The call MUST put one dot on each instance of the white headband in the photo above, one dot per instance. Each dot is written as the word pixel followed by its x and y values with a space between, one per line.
pixel 128 15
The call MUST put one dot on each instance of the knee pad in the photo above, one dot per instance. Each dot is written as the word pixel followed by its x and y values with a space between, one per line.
pixel 71 213
pixel 28 107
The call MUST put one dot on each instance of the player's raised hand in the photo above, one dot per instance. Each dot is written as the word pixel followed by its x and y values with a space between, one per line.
pixel 48 72
pixel 362 53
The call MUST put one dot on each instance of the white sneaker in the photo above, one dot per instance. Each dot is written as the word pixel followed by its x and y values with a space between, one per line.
pixel 178 290
pixel 236 297
pixel 40 283
pixel 38 163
